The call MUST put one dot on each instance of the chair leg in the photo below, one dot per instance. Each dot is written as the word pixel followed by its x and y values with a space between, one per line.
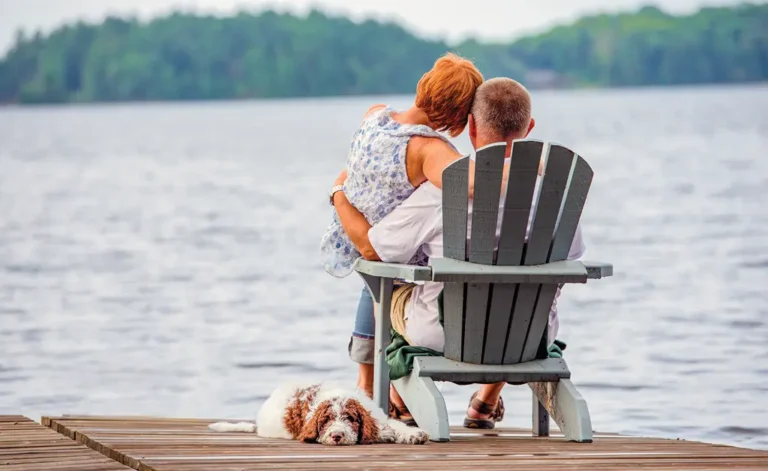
pixel 426 404
pixel 383 324
pixel 540 426
pixel 567 407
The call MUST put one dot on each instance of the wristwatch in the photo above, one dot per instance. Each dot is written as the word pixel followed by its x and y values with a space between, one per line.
pixel 333 192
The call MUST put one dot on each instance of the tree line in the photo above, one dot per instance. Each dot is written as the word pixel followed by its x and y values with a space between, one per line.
pixel 269 54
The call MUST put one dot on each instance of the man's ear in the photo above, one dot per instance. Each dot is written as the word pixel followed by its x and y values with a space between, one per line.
pixel 472 131
pixel 530 127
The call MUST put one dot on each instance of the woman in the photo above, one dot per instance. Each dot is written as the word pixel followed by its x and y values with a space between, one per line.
pixel 391 154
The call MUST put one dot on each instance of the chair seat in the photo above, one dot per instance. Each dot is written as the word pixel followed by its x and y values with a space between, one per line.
pixel 443 369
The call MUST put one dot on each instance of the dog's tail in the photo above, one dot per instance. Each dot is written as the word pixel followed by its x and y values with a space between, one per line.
pixel 245 427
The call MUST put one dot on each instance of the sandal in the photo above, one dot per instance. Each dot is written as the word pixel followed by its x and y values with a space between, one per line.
pixel 496 414
pixel 398 413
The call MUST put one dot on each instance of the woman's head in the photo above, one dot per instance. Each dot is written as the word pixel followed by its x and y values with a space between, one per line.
pixel 446 92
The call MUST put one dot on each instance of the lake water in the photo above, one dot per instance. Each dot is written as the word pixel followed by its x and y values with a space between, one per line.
pixel 162 259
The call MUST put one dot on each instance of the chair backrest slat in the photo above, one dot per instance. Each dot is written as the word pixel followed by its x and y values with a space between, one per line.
pixel 455 207
pixel 489 164
pixel 553 185
pixel 523 169
pixel 558 169
pixel 454 297
pixel 545 296
pixel 576 194
pixel 502 300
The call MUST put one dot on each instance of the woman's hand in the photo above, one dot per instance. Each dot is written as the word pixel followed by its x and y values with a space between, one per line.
pixel 341 178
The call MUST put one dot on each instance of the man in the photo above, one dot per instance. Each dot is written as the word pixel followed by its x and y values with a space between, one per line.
pixel 501 112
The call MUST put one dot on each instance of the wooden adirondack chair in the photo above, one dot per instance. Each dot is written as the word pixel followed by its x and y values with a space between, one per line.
pixel 496 311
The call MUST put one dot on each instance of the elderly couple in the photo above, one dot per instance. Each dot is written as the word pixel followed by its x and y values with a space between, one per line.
pixel 388 205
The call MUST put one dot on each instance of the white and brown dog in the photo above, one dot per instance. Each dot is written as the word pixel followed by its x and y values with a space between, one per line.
pixel 327 414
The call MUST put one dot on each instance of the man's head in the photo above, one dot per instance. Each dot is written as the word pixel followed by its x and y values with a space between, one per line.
pixel 501 112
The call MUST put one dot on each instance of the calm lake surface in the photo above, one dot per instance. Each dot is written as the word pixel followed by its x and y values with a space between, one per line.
pixel 162 259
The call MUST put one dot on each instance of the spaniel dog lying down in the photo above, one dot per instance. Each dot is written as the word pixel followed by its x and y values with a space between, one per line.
pixel 326 414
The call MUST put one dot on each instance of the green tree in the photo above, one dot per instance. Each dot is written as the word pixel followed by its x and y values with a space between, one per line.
pixel 184 57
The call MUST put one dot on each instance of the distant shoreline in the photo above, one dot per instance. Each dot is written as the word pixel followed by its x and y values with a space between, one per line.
pixel 271 55
pixel 374 97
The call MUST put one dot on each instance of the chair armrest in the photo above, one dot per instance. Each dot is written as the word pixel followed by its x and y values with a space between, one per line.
pixel 597 270
pixel 393 270
pixel 449 270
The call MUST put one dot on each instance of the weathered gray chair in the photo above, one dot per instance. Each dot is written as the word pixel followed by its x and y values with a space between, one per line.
pixel 496 311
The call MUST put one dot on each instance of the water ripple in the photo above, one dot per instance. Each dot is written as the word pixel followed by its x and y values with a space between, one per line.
pixel 163 260
pixel 303 367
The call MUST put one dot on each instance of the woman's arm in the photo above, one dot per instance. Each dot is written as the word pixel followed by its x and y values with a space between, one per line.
pixel 353 221
pixel 437 155
pixel 355 225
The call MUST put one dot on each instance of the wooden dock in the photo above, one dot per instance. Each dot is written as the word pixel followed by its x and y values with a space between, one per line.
pixel 145 444
pixel 26 445
pixel 156 444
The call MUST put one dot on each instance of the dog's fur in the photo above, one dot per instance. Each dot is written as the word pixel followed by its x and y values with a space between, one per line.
pixel 327 414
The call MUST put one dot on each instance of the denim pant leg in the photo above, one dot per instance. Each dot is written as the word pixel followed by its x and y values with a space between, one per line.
pixel 361 345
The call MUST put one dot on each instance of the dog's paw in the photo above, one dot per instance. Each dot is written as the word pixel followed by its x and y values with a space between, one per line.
pixel 414 436
pixel 387 434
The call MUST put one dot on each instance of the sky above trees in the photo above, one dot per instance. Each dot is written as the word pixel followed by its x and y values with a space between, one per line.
pixel 486 19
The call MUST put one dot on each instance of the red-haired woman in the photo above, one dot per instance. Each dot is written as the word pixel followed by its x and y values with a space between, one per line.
pixel 392 153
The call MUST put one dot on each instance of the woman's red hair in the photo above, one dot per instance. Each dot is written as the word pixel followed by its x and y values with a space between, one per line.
pixel 446 93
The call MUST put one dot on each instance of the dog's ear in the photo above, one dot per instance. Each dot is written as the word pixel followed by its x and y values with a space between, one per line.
pixel 314 426
pixel 294 417
pixel 368 427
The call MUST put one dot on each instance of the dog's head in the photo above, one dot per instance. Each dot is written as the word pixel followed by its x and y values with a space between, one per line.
pixel 338 422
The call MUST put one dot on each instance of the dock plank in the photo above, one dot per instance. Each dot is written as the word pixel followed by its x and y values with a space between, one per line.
pixel 26 445
pixel 156 444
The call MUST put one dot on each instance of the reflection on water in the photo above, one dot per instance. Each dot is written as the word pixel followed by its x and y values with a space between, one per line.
pixel 163 259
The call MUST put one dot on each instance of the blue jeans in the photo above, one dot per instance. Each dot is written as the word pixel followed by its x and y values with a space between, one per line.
pixel 365 326
pixel 361 345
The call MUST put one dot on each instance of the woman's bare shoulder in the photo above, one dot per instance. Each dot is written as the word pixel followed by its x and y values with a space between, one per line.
pixel 430 145
pixel 424 152
pixel 374 109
